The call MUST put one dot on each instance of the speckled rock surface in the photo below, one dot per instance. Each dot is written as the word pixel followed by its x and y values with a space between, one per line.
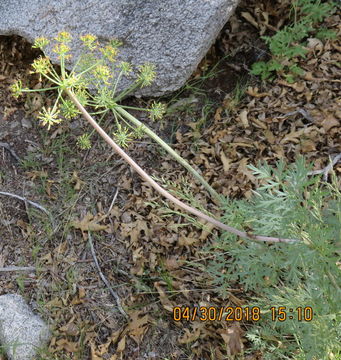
pixel 174 35
pixel 21 332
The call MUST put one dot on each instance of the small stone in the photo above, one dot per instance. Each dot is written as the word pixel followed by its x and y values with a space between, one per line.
pixel 14 124
pixel 21 332
pixel 74 124
pixel 26 123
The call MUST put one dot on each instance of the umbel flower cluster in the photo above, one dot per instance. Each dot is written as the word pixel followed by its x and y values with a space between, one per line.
pixel 98 68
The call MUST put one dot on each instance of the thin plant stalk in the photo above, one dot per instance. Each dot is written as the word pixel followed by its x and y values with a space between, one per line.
pixel 162 191
pixel 170 151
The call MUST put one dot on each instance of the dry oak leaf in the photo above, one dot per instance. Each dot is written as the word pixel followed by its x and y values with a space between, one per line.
pixel 194 334
pixel 138 325
pixel 243 117
pixel 166 303
pixel 89 223
pixel 232 338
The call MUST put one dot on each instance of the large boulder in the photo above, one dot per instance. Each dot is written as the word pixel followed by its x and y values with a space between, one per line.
pixel 21 332
pixel 174 35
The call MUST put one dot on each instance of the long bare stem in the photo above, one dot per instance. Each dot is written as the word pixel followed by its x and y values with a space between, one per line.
pixel 162 191
pixel 172 152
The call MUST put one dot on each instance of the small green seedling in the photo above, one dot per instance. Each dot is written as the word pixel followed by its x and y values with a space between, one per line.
pixel 287 45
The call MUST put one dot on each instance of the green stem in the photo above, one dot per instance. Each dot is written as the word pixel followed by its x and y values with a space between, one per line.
pixel 37 90
pixel 161 190
pixel 173 153
pixel 126 91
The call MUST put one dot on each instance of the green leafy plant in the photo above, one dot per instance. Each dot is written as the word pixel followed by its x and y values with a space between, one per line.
pixel 287 45
pixel 97 68
pixel 303 274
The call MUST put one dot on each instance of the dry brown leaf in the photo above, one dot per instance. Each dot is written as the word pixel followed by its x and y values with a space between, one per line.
pixel 248 17
pixel 254 92
pixel 259 123
pixel 217 114
pixel 36 173
pixel 77 181
pixel 292 137
pixel 187 241
pixel 89 223
pixel 121 345
pixel 60 249
pixel 47 259
pixel 270 137
pixel 194 334
pixel 70 329
pixel 226 162
pixel 166 303
pixel 243 117
pixel 67 345
pixel 329 122
pixel 173 263
pixel 307 146
pixel 232 338
pixel 298 86
pixel 93 352
pixel 138 325
pixel 206 231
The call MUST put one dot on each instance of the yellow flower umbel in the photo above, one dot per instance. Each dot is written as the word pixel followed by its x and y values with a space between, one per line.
pixel 84 142
pixel 123 136
pixel 40 43
pixel 157 111
pixel 16 89
pixel 103 73
pixel 49 117
pixel 42 65
pixel 89 41
pixel 109 52
pixel 125 67
pixel 147 74
pixel 62 50
pixel 69 109
pixel 63 37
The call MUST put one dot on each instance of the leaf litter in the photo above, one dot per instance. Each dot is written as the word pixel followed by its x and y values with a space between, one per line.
pixel 146 251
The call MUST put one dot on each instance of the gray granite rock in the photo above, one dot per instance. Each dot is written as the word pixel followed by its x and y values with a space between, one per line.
pixel 21 332
pixel 174 35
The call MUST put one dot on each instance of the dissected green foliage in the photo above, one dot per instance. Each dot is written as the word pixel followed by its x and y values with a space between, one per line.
pixel 307 273
pixel 287 44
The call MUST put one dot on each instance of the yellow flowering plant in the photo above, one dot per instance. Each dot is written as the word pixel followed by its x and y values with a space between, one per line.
pixel 97 68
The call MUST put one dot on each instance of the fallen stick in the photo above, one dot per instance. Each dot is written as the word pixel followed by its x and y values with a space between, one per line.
pixel 326 169
pixel 26 200
pixel 17 268
pixel 12 152
pixel 104 279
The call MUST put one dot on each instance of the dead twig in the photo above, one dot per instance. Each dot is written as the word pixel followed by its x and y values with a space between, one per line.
pixel 32 203
pixel 12 152
pixel 303 112
pixel 164 192
pixel 103 278
pixel 17 268
pixel 26 201
pixel 326 169
pixel 113 201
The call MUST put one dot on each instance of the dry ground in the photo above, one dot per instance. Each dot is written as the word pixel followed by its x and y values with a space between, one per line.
pixel 221 121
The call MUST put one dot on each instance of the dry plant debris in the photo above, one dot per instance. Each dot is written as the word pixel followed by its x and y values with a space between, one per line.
pixel 145 251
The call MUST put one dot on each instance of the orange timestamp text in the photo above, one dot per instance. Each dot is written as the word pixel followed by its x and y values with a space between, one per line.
pixel 213 313
pixel 238 313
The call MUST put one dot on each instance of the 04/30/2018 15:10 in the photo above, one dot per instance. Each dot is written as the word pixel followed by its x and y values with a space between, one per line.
pixel 237 313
